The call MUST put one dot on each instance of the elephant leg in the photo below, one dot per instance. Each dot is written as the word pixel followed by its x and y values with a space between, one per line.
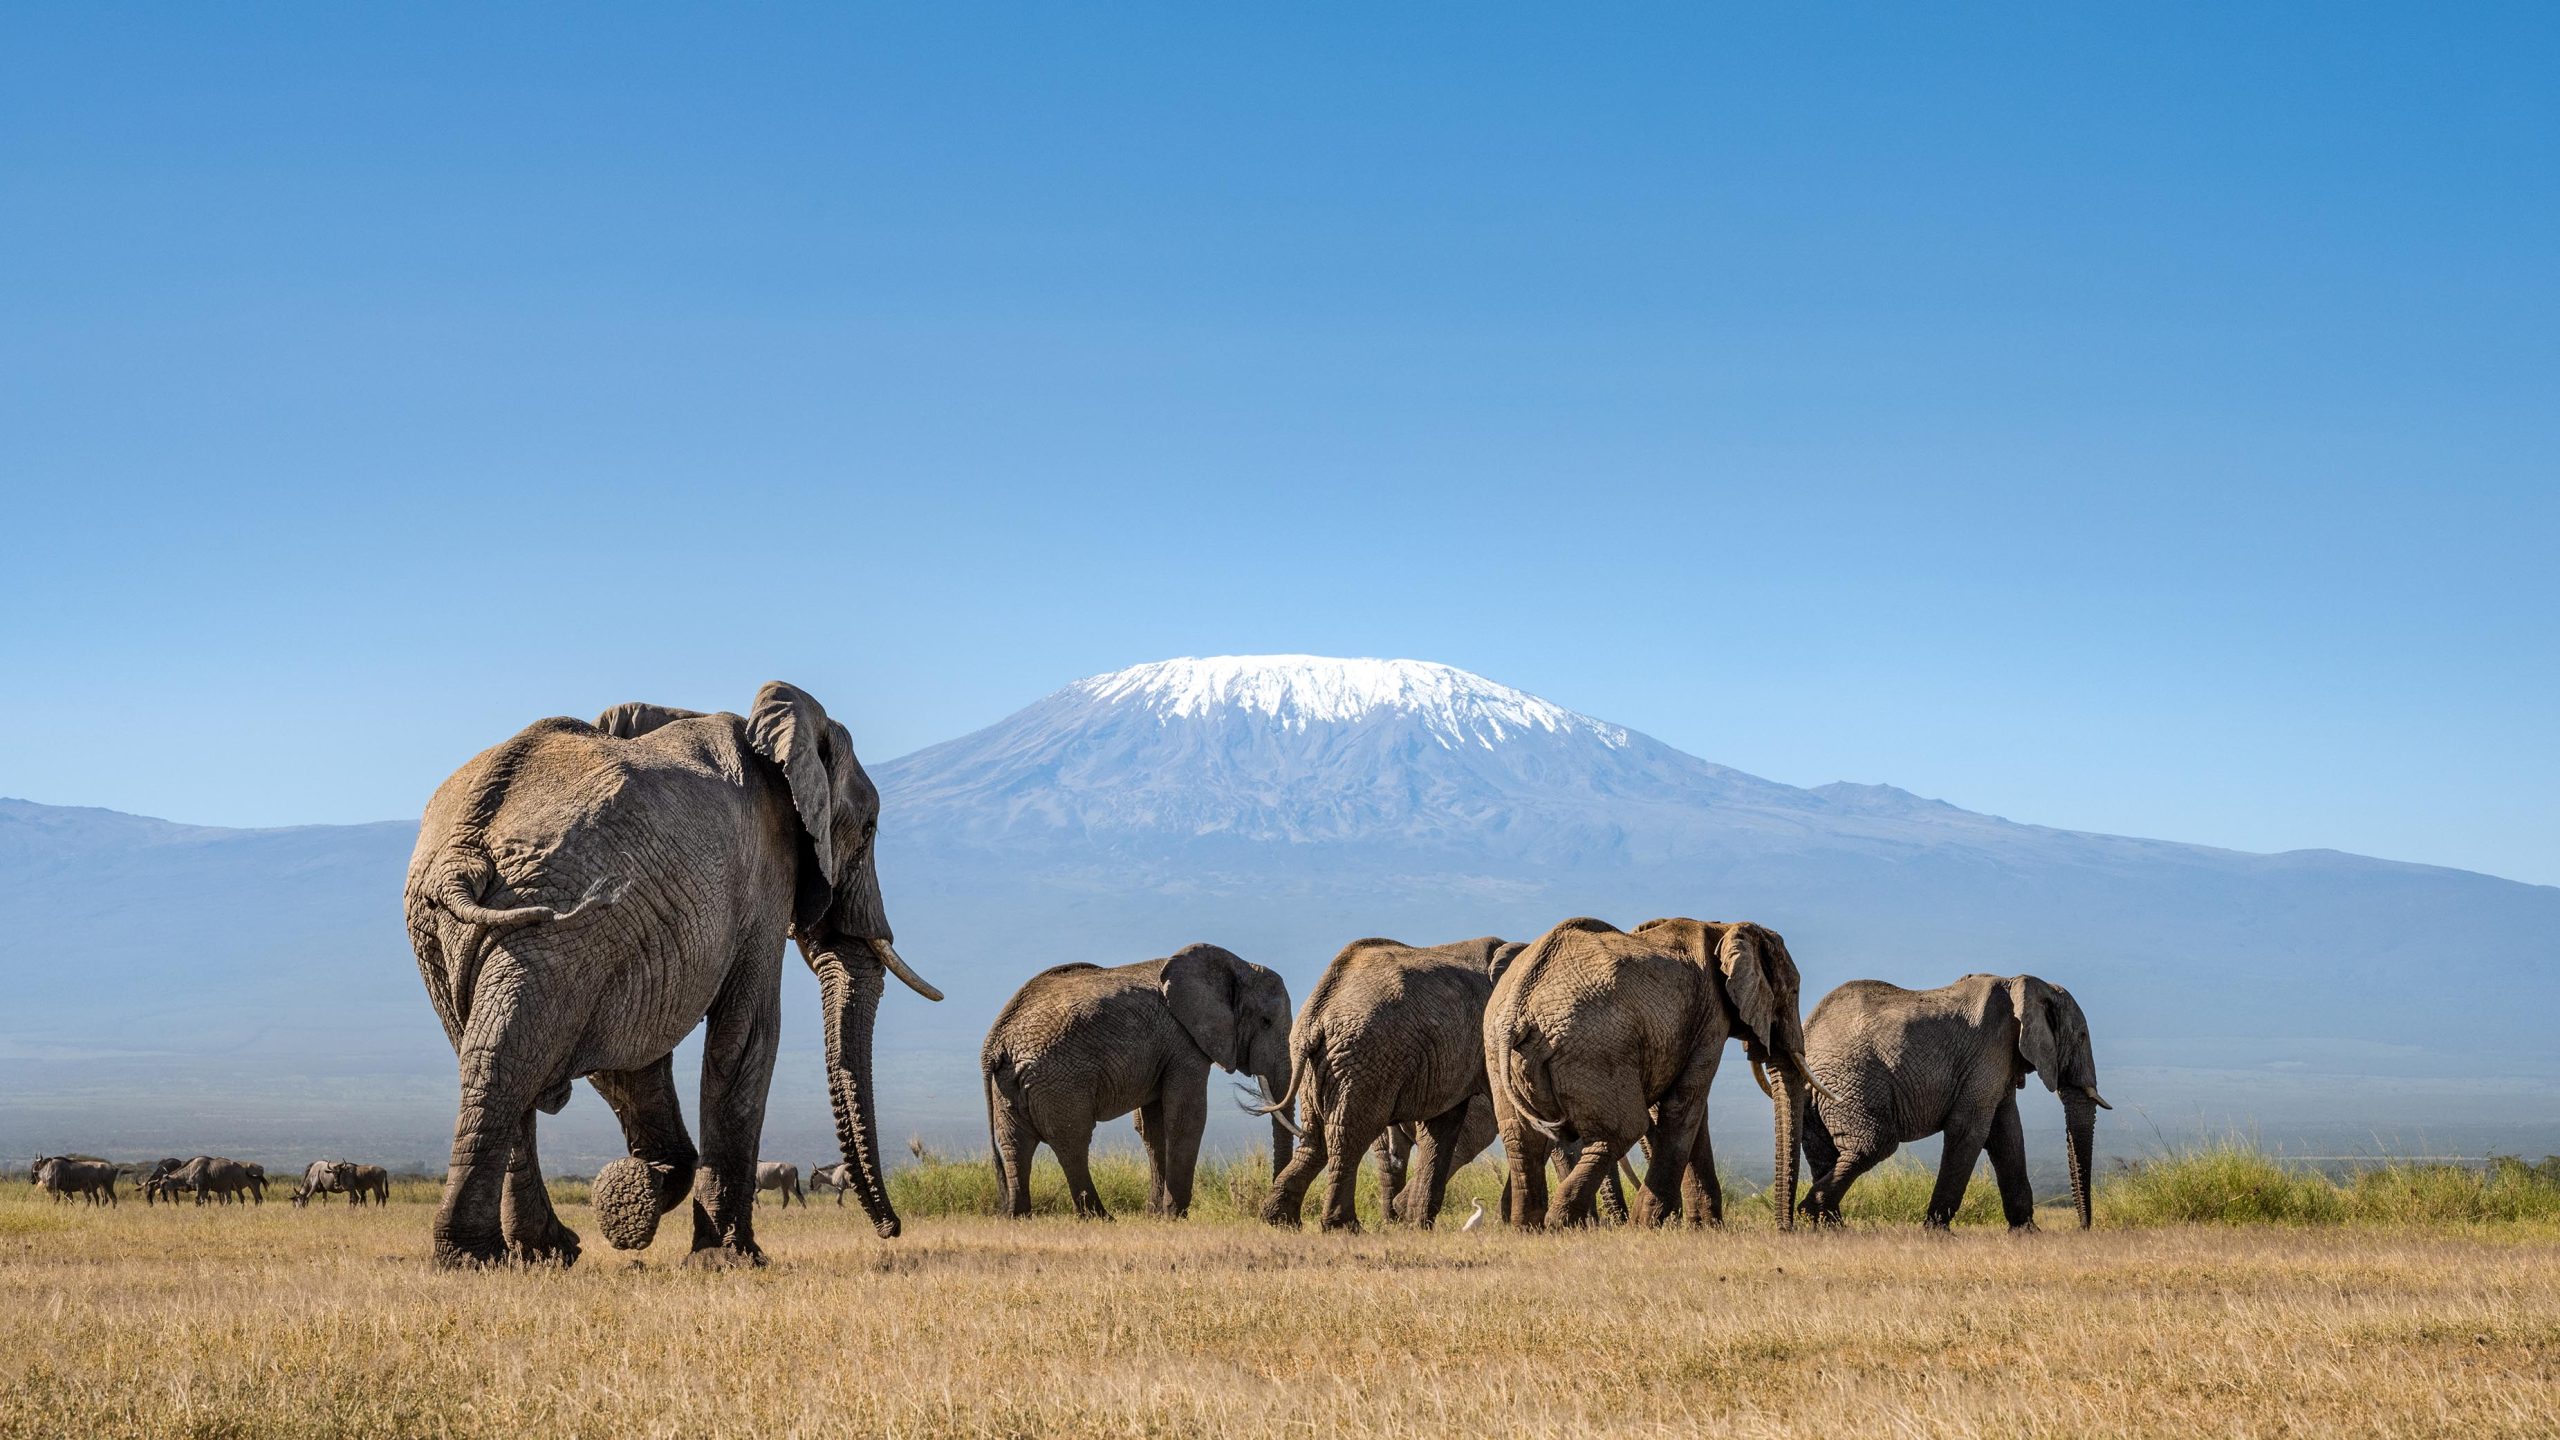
pixel 1392 1175
pixel 1351 1141
pixel 512 1048
pixel 1072 1146
pixel 1964 1139
pixel 644 1100
pixel 1287 1202
pixel 1183 1116
pixel 1150 1122
pixel 2008 1150
pixel 1526 1191
pixel 1016 1143
pixel 534 1233
pixel 737 1070
pixel 1701 1189
pixel 1437 1158
pixel 1577 1194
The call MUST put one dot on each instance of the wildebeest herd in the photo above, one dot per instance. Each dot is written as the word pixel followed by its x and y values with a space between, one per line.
pixel 210 1179
pixel 582 896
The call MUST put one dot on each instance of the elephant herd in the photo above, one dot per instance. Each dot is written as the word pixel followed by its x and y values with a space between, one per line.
pixel 1571 1049
pixel 583 895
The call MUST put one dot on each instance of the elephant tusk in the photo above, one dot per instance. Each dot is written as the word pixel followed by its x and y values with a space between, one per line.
pixel 889 957
pixel 2092 1092
pixel 1759 1078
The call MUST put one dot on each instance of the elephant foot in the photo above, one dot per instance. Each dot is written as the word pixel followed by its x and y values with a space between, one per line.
pixel 470 1255
pixel 557 1246
pixel 626 1204
pixel 2026 1227
pixel 726 1257
pixel 1342 1227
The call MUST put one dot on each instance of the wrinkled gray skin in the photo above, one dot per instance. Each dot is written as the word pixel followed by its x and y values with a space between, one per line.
pixel 1900 1064
pixel 1600 1038
pixel 215 1177
pixel 837 1177
pixel 583 895
pixel 94 1181
pixel 1392 1034
pixel 783 1176
pixel 1395 1153
pixel 1080 1044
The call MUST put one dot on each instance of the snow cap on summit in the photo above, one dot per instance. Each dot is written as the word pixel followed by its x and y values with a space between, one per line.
pixel 1455 706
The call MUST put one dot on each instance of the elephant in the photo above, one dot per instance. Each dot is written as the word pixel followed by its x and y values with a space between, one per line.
pixel 62 1177
pixel 1392 1034
pixel 1598 1037
pixel 836 1177
pixel 1079 1044
pixel 582 895
pixel 216 1177
pixel 783 1176
pixel 1895 1065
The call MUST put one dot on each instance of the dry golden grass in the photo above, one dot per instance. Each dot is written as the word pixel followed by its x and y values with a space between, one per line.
pixel 328 1321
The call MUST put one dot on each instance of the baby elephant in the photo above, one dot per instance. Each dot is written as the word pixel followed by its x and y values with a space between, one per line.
pixel 1080 1044
pixel 1897 1065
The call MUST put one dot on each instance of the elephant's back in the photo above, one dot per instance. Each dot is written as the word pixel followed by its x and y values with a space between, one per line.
pixel 1064 999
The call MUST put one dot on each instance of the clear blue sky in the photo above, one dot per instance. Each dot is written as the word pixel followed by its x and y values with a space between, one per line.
pixel 2137 418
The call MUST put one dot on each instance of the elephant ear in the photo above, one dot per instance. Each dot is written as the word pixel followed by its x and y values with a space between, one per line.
pixel 2032 999
pixel 1503 955
pixel 789 728
pixel 1747 956
pixel 1200 988
pixel 635 718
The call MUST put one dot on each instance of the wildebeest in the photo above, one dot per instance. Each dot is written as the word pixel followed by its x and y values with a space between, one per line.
pixel 216 1176
pixel 320 1180
pixel 63 1177
pixel 362 1181
pixel 781 1175
pixel 837 1177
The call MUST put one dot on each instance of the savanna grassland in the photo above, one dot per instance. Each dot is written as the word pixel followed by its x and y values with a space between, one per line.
pixel 2424 1303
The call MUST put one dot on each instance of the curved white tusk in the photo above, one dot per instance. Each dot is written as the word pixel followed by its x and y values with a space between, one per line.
pixel 2092 1092
pixel 889 956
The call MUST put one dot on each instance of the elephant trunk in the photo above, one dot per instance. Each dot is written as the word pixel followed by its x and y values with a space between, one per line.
pixel 849 985
pixel 2079 1123
pixel 1787 1099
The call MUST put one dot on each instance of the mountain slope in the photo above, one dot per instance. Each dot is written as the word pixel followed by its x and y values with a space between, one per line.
pixel 177 982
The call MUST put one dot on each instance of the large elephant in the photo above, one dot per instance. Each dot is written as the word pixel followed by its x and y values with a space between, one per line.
pixel 583 895
pixel 1898 1064
pixel 1598 1038
pixel 1392 1034
pixel 1079 1044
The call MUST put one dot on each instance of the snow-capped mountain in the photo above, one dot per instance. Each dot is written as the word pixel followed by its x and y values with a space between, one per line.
pixel 1304 750
pixel 190 979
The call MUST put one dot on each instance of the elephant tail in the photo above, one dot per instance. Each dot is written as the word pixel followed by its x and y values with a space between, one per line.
pixel 1515 1079
pixel 1302 1090
pixel 456 891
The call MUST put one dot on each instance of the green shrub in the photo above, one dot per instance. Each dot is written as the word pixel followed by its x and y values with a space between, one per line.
pixel 2225 1182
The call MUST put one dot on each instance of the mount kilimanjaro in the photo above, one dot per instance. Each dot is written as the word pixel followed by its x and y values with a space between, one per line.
pixel 1282 806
